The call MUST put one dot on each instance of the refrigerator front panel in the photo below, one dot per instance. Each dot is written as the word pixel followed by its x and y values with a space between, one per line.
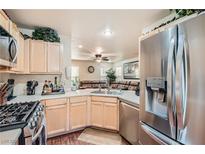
pixel 157 57
pixel 190 82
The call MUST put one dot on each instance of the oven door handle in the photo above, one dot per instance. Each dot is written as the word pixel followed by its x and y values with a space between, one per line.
pixel 37 134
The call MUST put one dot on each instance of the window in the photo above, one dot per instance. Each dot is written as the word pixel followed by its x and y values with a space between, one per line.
pixel 74 74
pixel 118 72
pixel 102 73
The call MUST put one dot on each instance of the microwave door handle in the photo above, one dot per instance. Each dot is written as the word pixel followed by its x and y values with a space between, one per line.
pixel 15 44
pixel 170 78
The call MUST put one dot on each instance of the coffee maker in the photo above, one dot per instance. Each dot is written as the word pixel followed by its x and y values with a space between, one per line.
pixel 31 87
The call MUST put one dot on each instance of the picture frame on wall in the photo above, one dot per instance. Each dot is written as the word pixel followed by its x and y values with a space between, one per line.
pixel 131 70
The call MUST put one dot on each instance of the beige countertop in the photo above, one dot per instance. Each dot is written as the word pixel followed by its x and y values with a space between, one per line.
pixel 128 96
pixel 9 137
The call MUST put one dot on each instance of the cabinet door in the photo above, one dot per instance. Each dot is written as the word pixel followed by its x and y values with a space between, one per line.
pixel 27 55
pixel 110 116
pixel 54 56
pixel 4 20
pixel 78 115
pixel 38 62
pixel 20 57
pixel 97 114
pixel 56 118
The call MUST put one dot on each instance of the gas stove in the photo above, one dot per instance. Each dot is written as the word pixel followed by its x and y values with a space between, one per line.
pixel 16 115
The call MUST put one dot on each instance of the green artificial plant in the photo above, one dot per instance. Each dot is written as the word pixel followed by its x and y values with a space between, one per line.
pixel 110 74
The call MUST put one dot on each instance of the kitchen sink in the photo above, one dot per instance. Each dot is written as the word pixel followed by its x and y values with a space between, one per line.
pixel 107 92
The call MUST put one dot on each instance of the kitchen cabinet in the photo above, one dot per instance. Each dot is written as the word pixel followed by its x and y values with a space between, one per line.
pixel 78 114
pixel 105 112
pixel 110 116
pixel 20 56
pixel 4 20
pixel 26 56
pixel 14 31
pixel 54 57
pixel 38 56
pixel 56 116
pixel 97 114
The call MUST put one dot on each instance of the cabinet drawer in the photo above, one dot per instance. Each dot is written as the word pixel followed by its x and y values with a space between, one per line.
pixel 78 99
pixel 104 99
pixel 55 102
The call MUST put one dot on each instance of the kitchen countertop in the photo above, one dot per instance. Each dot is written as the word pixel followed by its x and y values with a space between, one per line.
pixel 9 137
pixel 127 96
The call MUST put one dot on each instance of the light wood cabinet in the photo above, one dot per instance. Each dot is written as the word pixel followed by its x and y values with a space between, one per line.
pixel 78 115
pixel 110 116
pixel 54 57
pixel 27 56
pixel 56 116
pixel 105 112
pixel 97 114
pixel 14 31
pixel 4 20
pixel 20 57
pixel 38 56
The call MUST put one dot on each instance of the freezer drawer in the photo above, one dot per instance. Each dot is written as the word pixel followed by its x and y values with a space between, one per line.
pixel 150 136
pixel 129 122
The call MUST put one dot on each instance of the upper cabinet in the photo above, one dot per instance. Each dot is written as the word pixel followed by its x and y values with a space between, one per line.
pixel 20 56
pixel 38 54
pixel 4 20
pixel 45 57
pixel 54 57
pixel 14 31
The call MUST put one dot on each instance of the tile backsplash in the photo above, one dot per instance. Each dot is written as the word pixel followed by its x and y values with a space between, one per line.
pixel 21 80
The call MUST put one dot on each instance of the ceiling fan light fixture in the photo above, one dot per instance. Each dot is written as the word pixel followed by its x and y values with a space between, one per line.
pixel 107 32
pixel 98 60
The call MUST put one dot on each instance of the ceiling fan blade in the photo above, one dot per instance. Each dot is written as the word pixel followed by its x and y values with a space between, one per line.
pixel 109 54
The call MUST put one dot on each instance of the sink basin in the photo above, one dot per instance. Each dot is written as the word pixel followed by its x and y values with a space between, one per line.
pixel 107 92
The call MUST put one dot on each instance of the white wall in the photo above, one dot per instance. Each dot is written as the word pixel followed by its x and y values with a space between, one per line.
pixel 20 80
pixel 120 64
pixel 83 69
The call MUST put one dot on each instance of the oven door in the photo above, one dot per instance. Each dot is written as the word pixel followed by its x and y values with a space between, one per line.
pixel 35 132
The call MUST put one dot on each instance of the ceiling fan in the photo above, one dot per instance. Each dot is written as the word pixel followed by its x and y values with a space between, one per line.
pixel 98 55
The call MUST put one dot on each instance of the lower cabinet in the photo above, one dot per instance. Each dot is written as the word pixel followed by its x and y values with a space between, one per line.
pixel 56 116
pixel 63 115
pixel 97 114
pixel 78 115
pixel 110 116
pixel 105 114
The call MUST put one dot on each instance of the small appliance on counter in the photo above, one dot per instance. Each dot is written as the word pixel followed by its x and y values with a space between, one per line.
pixel 31 87
pixel 52 89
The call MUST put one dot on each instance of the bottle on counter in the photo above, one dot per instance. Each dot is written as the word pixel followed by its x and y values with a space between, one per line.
pixel 45 87
pixel 50 85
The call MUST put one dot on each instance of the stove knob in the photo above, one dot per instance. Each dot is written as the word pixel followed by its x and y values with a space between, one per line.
pixel 32 124
pixel 35 119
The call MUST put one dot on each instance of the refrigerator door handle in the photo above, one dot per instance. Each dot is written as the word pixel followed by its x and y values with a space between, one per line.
pixel 182 68
pixel 170 86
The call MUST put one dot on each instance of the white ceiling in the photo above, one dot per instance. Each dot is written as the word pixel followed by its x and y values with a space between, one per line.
pixel 86 27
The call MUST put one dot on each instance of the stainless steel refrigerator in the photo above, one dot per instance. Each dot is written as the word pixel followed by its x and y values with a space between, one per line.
pixel 172 94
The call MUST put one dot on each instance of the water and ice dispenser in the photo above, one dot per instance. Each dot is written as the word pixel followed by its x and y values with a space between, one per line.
pixel 155 93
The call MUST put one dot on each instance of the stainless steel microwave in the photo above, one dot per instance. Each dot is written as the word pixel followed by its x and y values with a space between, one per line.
pixel 8 49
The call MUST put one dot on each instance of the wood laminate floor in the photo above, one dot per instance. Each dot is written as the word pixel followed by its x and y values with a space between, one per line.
pixel 89 136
